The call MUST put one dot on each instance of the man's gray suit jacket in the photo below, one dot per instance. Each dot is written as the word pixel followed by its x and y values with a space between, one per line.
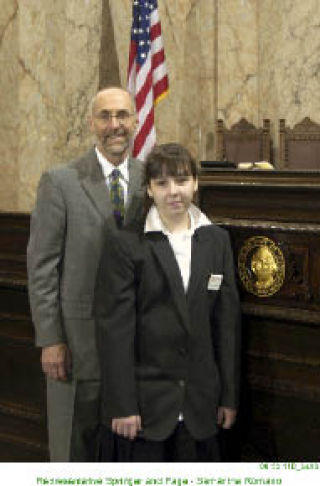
pixel 72 213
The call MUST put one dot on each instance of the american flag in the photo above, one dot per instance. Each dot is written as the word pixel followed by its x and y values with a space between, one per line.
pixel 147 74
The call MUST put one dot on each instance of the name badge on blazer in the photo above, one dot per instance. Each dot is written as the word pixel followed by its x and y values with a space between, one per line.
pixel 215 281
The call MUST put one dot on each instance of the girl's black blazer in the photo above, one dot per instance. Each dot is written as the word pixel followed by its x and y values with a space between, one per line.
pixel 163 351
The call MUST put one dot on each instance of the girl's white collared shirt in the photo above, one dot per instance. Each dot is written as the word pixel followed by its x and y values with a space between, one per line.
pixel 180 242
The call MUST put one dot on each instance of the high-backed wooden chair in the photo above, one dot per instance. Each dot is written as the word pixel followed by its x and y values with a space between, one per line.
pixel 299 147
pixel 243 142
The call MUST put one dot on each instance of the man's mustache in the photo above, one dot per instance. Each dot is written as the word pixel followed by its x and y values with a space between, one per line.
pixel 117 132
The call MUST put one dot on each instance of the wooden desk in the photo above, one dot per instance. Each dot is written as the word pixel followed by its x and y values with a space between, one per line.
pixel 279 416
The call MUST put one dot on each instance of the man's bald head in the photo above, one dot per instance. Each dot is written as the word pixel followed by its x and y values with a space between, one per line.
pixel 110 90
pixel 113 122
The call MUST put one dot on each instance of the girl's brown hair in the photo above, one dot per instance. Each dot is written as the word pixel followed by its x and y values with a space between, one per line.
pixel 169 159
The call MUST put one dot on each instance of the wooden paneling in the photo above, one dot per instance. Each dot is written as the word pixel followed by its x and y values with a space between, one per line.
pixel 279 414
pixel 23 434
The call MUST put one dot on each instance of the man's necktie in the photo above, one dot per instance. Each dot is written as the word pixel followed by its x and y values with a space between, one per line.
pixel 117 197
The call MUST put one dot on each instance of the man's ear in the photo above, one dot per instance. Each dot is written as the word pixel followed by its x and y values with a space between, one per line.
pixel 90 123
pixel 136 121
pixel 195 185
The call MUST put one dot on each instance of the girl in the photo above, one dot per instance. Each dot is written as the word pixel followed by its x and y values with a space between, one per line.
pixel 168 324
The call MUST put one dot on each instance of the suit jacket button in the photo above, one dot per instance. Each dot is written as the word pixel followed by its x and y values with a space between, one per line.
pixel 181 383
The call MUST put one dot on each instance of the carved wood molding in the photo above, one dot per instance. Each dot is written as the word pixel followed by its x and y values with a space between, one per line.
pixel 304 317
pixel 306 125
pixel 26 412
pixel 28 443
pixel 313 363
pixel 14 233
pixel 284 388
pixel 282 179
pixel 272 226
pixel 10 282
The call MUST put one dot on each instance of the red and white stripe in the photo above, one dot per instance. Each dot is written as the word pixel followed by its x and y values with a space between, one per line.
pixel 148 84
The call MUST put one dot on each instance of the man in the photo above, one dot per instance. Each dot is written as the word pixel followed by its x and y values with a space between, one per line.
pixel 75 206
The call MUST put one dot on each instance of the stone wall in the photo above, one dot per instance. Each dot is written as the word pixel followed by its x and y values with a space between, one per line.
pixel 226 58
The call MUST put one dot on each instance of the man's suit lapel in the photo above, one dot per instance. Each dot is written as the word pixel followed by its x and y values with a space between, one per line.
pixel 166 259
pixel 94 185
pixel 135 192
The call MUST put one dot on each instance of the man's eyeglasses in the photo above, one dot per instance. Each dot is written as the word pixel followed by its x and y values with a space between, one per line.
pixel 122 116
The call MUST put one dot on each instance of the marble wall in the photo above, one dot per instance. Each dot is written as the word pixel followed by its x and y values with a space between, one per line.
pixel 237 51
pixel 289 62
pixel 49 54
pixel 9 106
pixel 226 58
